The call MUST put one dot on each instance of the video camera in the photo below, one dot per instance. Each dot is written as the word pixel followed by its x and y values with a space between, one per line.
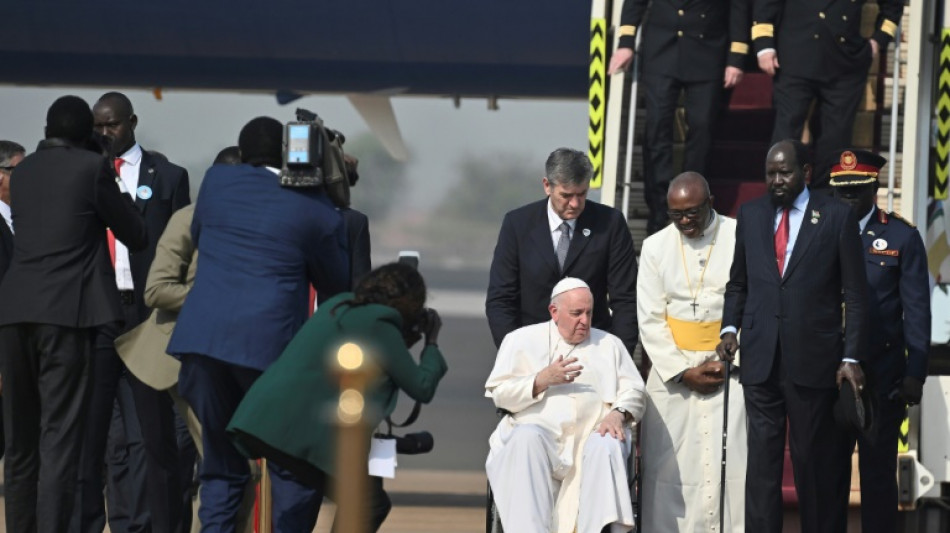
pixel 313 157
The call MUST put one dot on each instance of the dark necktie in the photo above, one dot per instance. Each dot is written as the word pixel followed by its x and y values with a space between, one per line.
pixel 781 242
pixel 563 244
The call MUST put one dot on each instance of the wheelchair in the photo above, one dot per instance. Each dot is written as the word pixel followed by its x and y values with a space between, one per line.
pixel 493 520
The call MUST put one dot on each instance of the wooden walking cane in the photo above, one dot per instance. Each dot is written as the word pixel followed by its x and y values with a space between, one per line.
pixel 725 432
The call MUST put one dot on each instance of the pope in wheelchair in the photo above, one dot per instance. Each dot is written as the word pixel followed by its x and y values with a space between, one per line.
pixel 558 458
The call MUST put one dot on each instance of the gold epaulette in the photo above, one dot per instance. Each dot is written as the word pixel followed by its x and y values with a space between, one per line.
pixel 898 216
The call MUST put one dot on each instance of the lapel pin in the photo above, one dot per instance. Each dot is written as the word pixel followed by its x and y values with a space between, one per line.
pixel 879 244
pixel 871 233
pixel 144 192
pixel 151 170
pixel 815 215
pixel 586 232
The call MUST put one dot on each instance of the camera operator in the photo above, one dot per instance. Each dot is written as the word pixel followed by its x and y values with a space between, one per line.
pixel 261 247
pixel 385 316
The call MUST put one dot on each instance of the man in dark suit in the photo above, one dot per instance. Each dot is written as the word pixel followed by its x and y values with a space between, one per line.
pixel 564 235
pixel 357 228
pixel 60 286
pixel 158 189
pixel 814 50
pixel 11 154
pixel 260 246
pixel 899 310
pixel 797 260
pixel 692 46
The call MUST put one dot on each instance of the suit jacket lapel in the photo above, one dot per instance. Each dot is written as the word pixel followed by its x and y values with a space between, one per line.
pixel 766 227
pixel 806 233
pixel 146 179
pixel 540 235
pixel 579 240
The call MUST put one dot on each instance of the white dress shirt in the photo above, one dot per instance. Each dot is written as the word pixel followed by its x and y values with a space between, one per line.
pixel 7 215
pixel 796 214
pixel 129 172
pixel 554 224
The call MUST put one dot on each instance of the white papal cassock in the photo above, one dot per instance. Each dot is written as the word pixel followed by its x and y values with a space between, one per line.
pixel 543 476
pixel 681 439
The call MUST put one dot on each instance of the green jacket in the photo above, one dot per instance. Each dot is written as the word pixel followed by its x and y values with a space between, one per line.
pixel 288 415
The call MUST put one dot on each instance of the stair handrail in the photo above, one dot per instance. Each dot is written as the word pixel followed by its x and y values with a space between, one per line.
pixel 631 128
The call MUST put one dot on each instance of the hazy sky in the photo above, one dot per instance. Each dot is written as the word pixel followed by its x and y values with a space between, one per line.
pixel 190 127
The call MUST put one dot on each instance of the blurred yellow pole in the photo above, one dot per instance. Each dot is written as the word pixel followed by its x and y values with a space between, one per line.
pixel 352 471
pixel 264 503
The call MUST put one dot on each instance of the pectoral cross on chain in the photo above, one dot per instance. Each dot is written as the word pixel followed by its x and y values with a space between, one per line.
pixel 694 305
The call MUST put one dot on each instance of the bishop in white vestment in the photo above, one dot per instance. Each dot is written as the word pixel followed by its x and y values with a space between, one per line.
pixel 680 287
pixel 558 460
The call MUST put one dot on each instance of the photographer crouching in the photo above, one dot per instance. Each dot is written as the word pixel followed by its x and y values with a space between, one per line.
pixel 288 415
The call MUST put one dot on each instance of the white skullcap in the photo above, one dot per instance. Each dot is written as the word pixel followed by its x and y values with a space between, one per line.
pixel 568 284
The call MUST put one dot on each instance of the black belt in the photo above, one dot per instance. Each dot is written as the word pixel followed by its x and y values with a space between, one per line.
pixel 127 297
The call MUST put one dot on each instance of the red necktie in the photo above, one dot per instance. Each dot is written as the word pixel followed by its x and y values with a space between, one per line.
pixel 781 241
pixel 117 163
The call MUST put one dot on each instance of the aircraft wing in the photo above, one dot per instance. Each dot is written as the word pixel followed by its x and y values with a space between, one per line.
pixel 505 48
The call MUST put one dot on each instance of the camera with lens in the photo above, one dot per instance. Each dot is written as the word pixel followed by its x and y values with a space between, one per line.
pixel 313 157
pixel 411 443
pixel 421 441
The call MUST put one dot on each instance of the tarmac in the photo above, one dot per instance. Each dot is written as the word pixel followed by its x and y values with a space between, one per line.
pixel 424 501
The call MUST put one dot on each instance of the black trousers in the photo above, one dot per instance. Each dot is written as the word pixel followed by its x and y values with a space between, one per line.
pixel 821 459
pixel 46 382
pixel 145 483
pixel 704 101
pixel 837 104
pixel 877 461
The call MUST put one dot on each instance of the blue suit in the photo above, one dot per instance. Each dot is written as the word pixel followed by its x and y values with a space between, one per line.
pixel 260 246
pixel 899 310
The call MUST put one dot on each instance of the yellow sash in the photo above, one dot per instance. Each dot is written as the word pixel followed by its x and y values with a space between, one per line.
pixel 696 336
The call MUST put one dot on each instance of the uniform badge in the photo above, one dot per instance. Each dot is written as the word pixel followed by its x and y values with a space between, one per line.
pixel 815 215
pixel 879 244
pixel 144 192
pixel 848 161
pixel 586 232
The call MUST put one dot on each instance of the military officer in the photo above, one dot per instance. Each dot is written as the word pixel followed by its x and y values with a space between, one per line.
pixel 896 264
pixel 692 46
pixel 814 49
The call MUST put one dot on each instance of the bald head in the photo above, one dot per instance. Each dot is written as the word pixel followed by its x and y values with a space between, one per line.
pixel 115 120
pixel 118 101
pixel 688 184
pixel 690 204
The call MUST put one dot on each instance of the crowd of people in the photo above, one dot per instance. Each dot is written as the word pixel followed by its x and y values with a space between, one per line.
pixel 125 358
pixel 126 361
pixel 797 279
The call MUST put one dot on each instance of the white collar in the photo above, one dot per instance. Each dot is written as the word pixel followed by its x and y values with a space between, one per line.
pixel 800 203
pixel 554 221
pixel 132 156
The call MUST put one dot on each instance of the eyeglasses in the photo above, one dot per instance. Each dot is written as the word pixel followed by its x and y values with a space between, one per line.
pixel 8 169
pixel 692 214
